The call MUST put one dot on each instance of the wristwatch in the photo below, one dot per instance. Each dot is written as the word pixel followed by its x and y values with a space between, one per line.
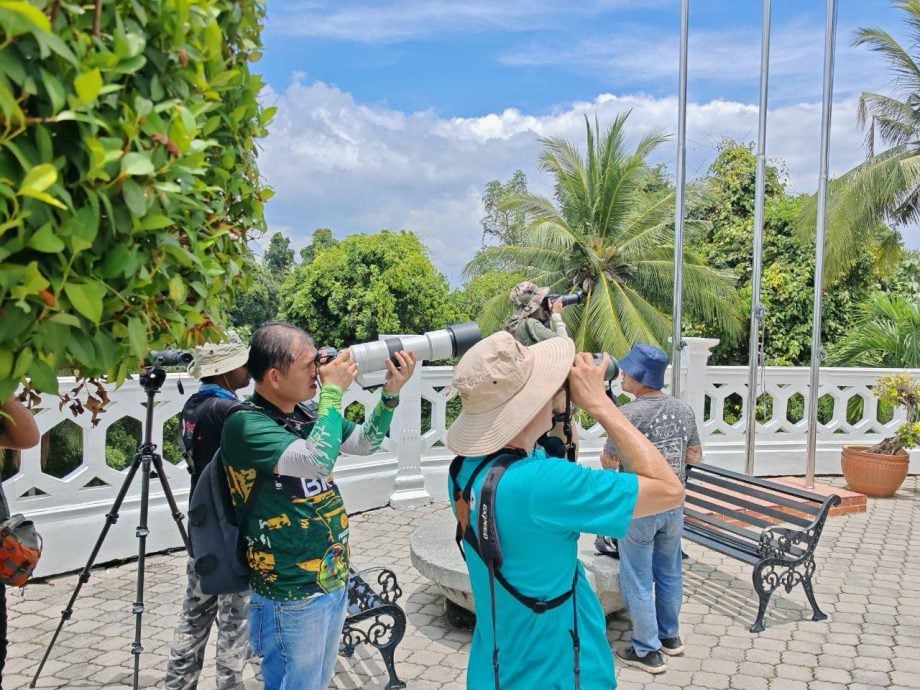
pixel 388 400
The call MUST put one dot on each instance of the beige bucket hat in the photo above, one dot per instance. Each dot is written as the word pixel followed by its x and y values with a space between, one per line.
pixel 526 298
pixel 214 359
pixel 503 385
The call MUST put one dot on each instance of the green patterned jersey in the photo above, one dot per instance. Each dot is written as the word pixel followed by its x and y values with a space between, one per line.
pixel 297 531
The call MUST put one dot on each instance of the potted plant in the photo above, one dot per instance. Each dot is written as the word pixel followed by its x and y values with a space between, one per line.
pixel 879 470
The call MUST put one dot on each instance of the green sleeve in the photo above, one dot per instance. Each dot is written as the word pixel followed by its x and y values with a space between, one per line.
pixel 367 438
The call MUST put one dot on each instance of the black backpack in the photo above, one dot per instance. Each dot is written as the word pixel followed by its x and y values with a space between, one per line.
pixel 218 548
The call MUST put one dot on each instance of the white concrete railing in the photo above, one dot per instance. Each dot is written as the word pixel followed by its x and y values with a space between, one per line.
pixel 411 466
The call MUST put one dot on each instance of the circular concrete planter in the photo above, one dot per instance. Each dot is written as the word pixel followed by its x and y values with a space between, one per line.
pixel 872 474
pixel 434 554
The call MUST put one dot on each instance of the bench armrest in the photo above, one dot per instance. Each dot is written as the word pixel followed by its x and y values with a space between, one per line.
pixel 786 543
pixel 388 590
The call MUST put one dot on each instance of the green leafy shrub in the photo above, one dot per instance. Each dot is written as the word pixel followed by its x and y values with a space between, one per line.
pixel 128 179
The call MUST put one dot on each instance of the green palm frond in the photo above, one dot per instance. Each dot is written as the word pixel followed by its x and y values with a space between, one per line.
pixel 612 238
pixel 886 334
pixel 881 187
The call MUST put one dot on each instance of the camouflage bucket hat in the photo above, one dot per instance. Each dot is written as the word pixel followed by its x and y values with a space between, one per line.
pixel 526 298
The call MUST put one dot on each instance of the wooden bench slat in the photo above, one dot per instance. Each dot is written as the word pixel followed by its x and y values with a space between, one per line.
pixel 756 507
pixel 756 493
pixel 763 483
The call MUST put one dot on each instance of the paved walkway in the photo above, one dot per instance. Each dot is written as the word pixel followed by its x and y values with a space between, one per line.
pixel 868 581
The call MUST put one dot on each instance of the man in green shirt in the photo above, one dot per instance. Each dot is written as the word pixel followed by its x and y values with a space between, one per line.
pixel 297 529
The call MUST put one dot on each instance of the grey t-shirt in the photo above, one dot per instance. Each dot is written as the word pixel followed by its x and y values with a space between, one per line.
pixel 668 423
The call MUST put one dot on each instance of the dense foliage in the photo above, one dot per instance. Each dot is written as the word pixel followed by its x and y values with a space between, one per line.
pixel 128 181
pixel 367 285
pixel 725 201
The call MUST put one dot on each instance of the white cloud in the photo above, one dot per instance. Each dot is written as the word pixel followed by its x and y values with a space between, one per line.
pixel 354 166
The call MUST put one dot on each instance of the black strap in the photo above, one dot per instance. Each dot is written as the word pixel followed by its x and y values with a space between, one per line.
pixel 576 642
pixel 454 472
pixel 567 426
pixel 495 670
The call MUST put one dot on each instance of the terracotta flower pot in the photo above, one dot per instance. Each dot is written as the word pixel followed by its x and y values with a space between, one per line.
pixel 873 474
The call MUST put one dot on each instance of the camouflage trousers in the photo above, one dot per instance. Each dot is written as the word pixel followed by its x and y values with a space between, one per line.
pixel 199 610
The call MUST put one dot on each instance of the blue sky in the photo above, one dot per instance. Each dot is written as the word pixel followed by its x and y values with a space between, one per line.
pixel 395 113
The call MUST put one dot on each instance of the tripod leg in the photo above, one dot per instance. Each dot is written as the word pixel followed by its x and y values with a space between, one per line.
pixel 171 500
pixel 142 531
pixel 110 519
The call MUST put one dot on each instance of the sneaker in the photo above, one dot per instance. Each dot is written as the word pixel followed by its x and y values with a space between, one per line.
pixel 652 662
pixel 672 646
pixel 606 546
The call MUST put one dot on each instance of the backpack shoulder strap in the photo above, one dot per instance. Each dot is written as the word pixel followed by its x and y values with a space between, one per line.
pixel 461 501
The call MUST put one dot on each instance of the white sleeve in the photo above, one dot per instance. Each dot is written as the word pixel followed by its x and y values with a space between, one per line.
pixel 559 326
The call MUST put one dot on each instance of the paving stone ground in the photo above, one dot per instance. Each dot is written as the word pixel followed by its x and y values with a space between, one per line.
pixel 868 581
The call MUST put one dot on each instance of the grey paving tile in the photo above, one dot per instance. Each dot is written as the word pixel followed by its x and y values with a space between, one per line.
pixel 868 582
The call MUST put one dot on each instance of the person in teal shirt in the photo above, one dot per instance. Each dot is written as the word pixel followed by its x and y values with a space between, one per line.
pixel 542 504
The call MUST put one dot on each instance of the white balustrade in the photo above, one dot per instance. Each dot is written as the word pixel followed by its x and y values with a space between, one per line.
pixel 411 466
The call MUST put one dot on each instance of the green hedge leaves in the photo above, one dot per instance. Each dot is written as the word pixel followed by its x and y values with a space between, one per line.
pixel 128 178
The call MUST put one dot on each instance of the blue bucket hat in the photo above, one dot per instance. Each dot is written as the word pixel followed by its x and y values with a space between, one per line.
pixel 646 363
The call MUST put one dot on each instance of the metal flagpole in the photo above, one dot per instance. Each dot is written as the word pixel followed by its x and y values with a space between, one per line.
pixel 757 311
pixel 676 340
pixel 830 30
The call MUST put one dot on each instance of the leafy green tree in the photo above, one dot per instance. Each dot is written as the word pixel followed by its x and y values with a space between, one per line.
pixel 481 292
pixel 886 334
pixel 502 223
pixel 255 303
pixel 321 238
pixel 128 179
pixel 279 257
pixel 613 239
pixel 367 285
pixel 725 197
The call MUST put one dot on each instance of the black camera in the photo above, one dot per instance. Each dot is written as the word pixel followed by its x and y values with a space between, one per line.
pixel 613 367
pixel 576 297
pixel 170 358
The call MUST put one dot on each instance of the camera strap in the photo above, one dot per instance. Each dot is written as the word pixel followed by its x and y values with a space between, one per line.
pixel 486 544
pixel 570 448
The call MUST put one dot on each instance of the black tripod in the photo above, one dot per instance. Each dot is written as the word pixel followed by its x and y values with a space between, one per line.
pixel 152 379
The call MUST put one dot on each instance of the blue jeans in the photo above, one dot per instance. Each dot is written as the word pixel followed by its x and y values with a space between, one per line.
pixel 297 640
pixel 650 576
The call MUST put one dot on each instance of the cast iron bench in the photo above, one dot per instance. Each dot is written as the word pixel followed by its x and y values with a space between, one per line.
pixel 374 618
pixel 726 512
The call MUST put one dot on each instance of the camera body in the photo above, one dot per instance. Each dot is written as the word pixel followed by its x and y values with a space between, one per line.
pixel 452 341
pixel 576 297
pixel 613 367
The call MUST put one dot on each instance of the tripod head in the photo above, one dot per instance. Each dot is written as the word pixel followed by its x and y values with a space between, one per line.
pixel 152 379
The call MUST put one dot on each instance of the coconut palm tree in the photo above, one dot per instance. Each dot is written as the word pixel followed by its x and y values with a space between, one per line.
pixel 611 235
pixel 885 188
pixel 886 334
